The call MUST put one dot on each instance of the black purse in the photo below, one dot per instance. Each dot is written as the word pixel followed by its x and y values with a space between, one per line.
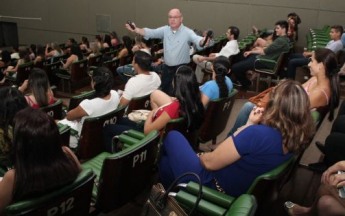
pixel 160 203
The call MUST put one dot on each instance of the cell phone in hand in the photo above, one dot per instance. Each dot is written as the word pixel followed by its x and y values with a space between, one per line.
pixel 131 24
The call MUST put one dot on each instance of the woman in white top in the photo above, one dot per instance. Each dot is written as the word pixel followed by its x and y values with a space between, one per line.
pixel 105 101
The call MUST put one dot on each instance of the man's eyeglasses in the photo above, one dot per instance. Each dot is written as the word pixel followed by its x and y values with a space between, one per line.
pixel 173 17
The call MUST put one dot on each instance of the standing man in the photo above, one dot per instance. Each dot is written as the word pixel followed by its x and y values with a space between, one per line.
pixel 272 52
pixel 231 48
pixel 177 39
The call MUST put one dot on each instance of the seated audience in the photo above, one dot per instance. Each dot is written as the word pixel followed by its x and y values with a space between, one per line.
pixel 107 41
pixel 5 59
pixel 220 86
pixel 298 59
pixel 76 55
pixel 322 88
pixel 40 55
pixel 12 101
pixel 272 52
pixel 293 30
pixel 85 44
pixel 328 200
pixel 99 41
pixel 41 95
pixel 164 108
pixel 15 53
pixel 144 83
pixel 231 48
pixel 56 51
pixel 23 58
pixel 286 128
pixel 32 51
pixel 186 104
pixel 41 165
pixel 141 45
pixel 127 50
pixel 114 39
pixel 94 50
pixel 106 100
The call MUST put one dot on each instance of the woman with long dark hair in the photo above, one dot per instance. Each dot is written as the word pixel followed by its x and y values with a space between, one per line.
pixel 85 44
pixel 107 41
pixel 12 101
pixel 323 87
pixel 76 55
pixel 41 94
pixel 127 50
pixel 41 165
pixel 286 128
pixel 220 86
pixel 186 104
pixel 114 38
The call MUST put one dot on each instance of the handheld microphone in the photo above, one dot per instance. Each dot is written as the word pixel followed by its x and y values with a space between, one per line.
pixel 208 35
pixel 131 24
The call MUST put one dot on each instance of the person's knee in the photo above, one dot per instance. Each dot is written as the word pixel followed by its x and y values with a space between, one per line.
pixel 326 204
pixel 195 58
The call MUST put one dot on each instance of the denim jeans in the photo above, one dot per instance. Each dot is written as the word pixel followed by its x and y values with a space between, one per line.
pixel 242 117
pixel 296 60
pixel 122 125
pixel 125 69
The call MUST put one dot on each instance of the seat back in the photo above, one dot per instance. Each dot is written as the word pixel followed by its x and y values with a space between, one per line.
pixel 23 72
pixel 127 59
pixel 64 131
pixel 49 68
pixel 139 103
pixel 95 60
pixel 70 200
pixel 180 124
pixel 75 100
pixel 91 136
pixel 112 54
pixel 60 58
pixel 127 173
pixel 217 113
pixel 54 110
pixel 112 66
pixel 79 70
pixel 266 187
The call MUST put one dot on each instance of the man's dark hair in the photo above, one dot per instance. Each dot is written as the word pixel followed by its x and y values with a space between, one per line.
pixel 143 60
pixel 235 31
pixel 283 24
pixel 338 28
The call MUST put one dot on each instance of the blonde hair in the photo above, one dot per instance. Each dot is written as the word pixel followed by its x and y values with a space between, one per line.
pixel 289 111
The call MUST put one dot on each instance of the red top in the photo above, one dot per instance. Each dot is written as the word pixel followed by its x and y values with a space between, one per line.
pixel 171 109
pixel 36 106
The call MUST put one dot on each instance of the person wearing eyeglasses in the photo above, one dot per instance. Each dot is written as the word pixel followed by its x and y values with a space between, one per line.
pixel 176 44
pixel 301 59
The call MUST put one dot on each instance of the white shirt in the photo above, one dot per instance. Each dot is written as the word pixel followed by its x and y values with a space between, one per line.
pixel 141 85
pixel 94 108
pixel 231 48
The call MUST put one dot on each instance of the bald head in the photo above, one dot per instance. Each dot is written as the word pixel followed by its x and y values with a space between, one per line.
pixel 175 18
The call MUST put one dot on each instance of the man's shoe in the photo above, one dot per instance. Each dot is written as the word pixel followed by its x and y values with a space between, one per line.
pixel 318 167
pixel 237 83
pixel 320 146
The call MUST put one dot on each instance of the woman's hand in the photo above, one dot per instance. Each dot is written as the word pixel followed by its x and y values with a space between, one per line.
pixel 24 86
pixel 255 115
pixel 326 176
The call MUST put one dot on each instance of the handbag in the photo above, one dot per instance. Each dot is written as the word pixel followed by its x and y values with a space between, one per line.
pixel 262 99
pixel 160 203
pixel 138 115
